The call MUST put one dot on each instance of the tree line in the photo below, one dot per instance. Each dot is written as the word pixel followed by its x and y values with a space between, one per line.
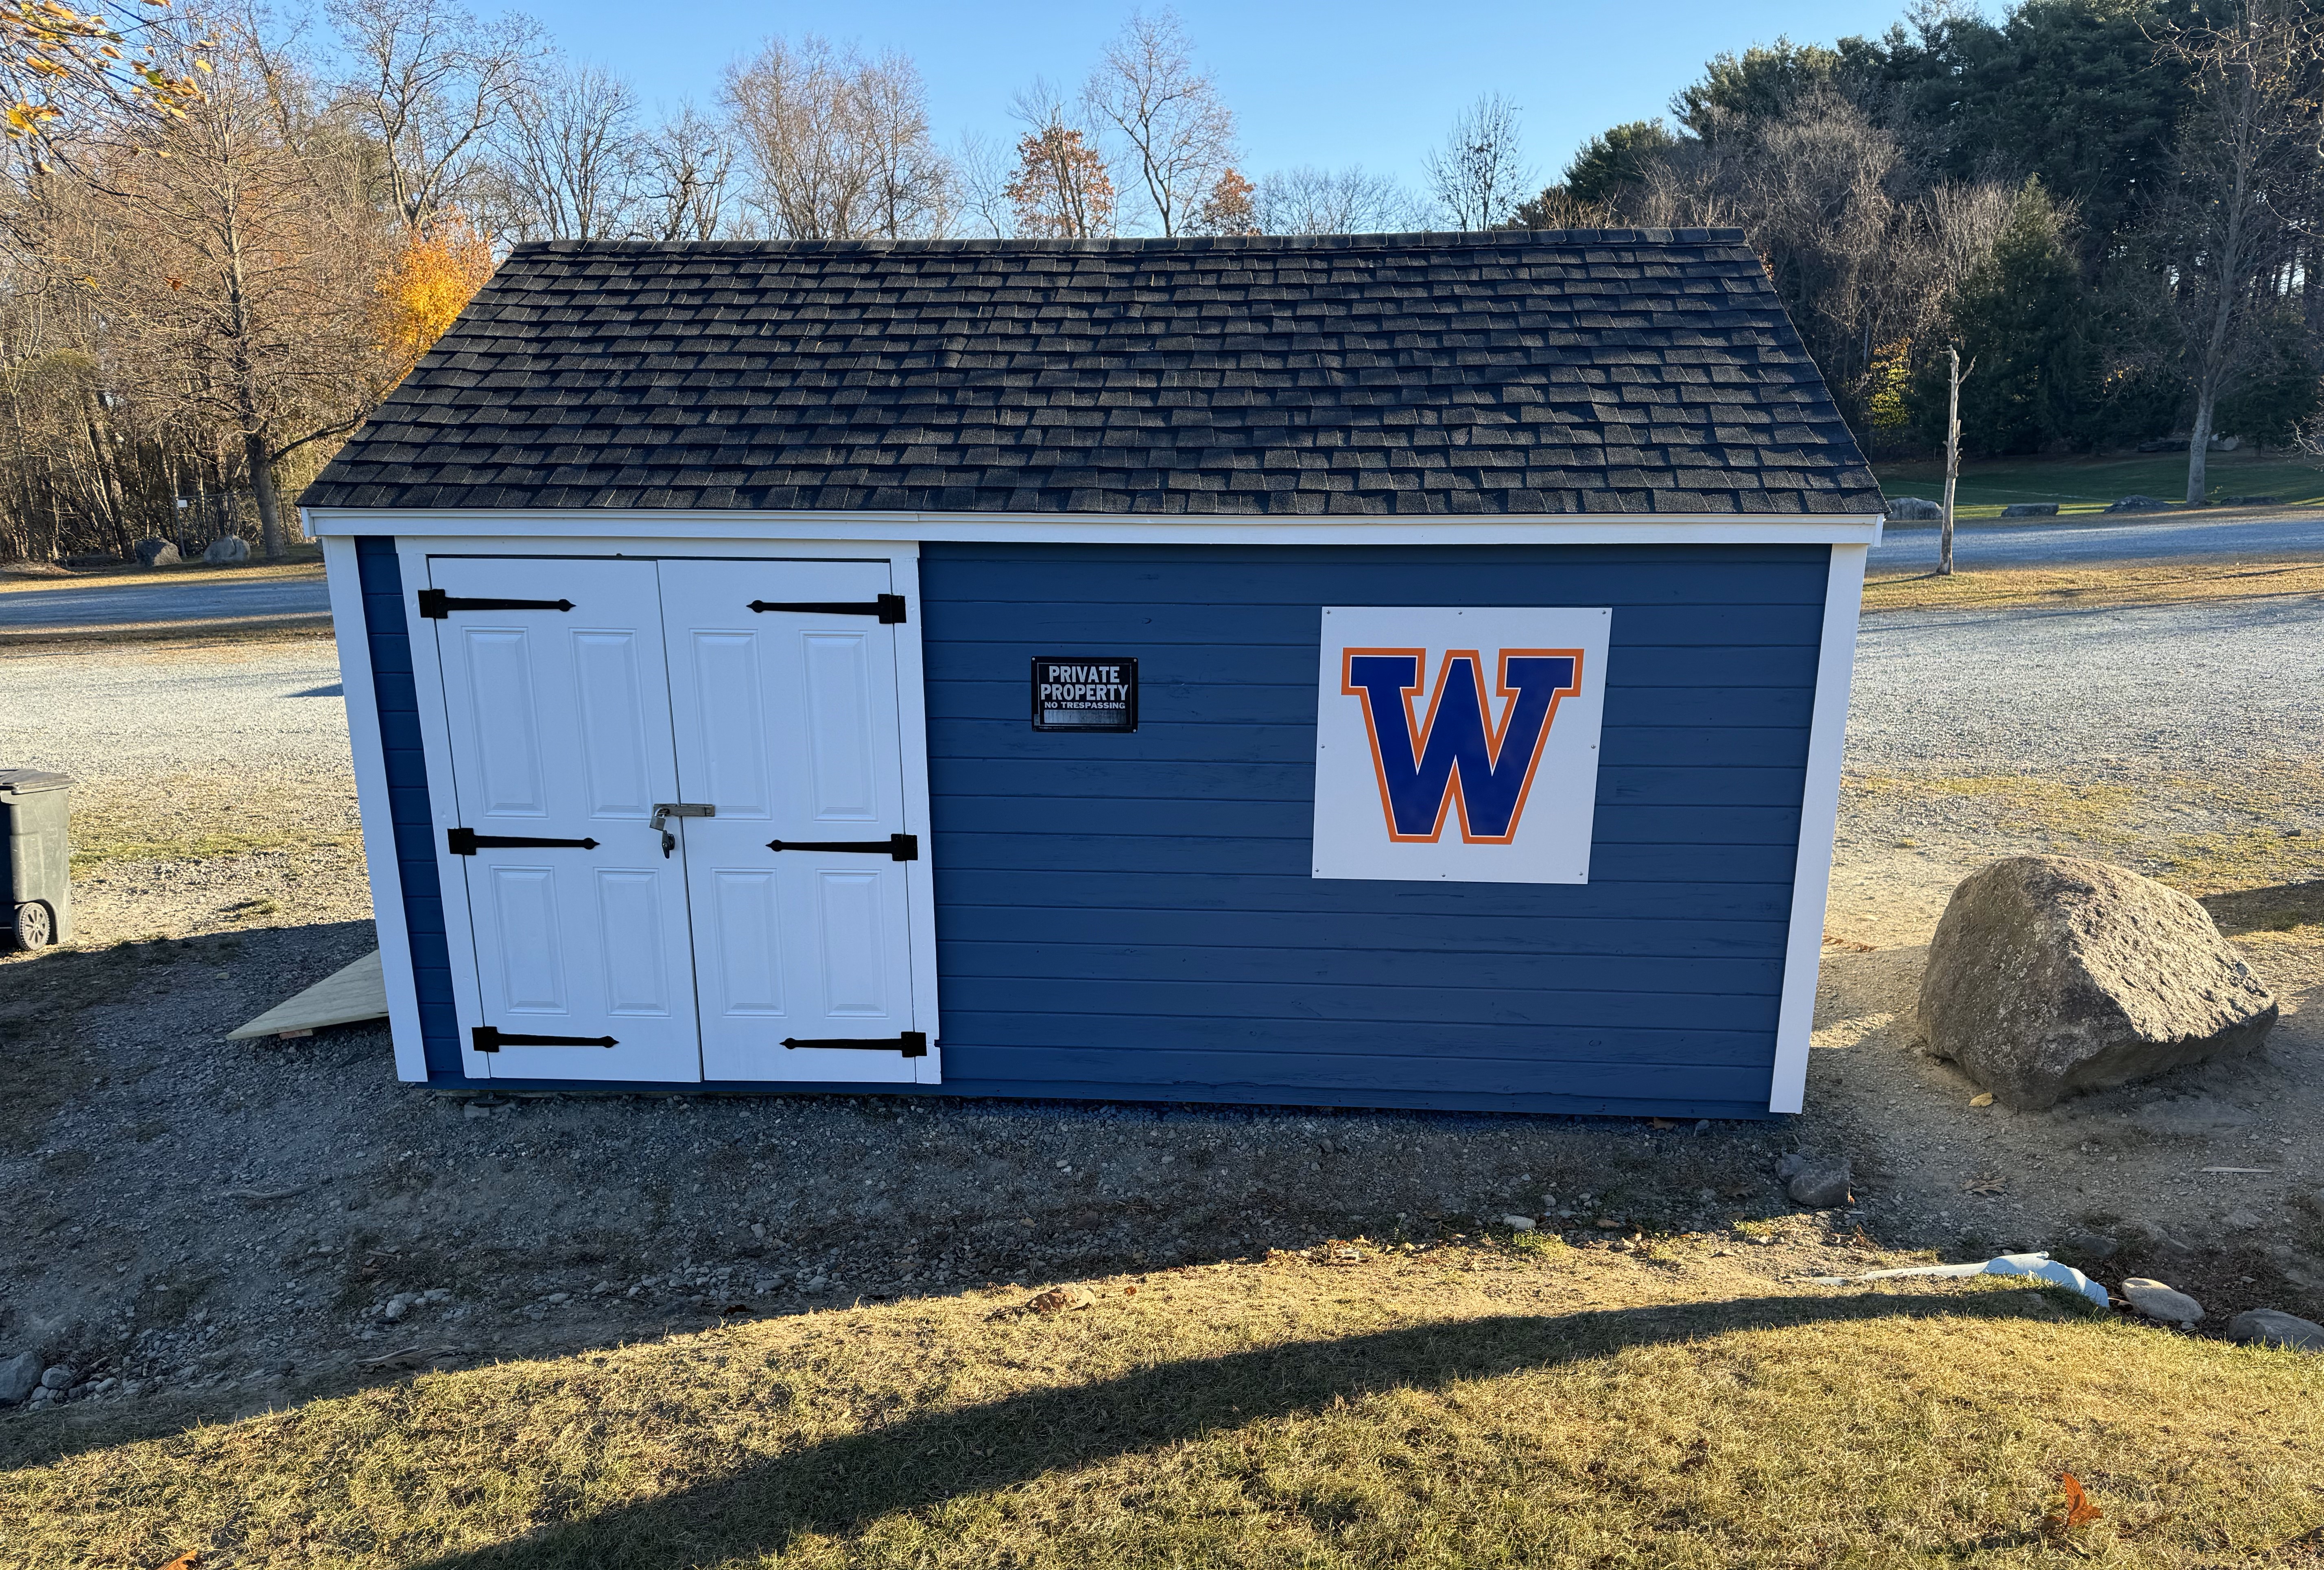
pixel 229 232
pixel 2111 208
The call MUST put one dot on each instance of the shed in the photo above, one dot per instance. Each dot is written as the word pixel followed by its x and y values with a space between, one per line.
pixel 1383 671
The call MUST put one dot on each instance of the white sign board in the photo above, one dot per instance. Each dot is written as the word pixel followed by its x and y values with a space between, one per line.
pixel 1459 745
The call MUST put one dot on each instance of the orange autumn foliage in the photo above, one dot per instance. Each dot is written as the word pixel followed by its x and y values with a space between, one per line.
pixel 424 288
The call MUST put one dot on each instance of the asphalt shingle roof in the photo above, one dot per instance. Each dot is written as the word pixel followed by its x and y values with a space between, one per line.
pixel 1633 371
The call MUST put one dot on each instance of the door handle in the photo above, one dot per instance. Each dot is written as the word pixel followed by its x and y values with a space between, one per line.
pixel 665 810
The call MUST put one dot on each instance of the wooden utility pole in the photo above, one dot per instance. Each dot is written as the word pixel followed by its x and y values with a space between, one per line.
pixel 1952 463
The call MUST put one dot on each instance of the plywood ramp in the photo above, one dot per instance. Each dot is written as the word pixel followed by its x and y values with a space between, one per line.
pixel 343 997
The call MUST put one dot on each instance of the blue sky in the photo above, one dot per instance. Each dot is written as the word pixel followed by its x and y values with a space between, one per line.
pixel 1356 81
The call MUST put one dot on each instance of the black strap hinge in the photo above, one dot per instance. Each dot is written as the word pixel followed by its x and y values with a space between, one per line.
pixel 435 604
pixel 486 1039
pixel 466 842
pixel 911 1044
pixel 902 847
pixel 889 608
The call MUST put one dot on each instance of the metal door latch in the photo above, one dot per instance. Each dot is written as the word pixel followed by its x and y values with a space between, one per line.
pixel 665 810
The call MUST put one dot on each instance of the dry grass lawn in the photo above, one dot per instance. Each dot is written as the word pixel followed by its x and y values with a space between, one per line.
pixel 1460 1408
pixel 2135 584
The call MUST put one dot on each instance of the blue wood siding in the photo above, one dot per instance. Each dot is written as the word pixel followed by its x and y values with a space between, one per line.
pixel 1132 917
pixel 389 637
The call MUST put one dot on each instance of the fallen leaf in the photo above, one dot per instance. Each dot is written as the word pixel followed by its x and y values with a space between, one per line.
pixel 1985 1100
pixel 1661 1123
pixel 1335 1251
pixel 190 1559
pixel 1986 1183
pixel 2076 1509
pixel 1129 1291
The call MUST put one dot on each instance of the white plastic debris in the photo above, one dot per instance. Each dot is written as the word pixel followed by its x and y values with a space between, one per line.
pixel 2040 1265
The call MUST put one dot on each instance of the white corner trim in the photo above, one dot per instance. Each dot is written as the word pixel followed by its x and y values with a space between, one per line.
pixel 919 875
pixel 668 528
pixel 374 808
pixel 1819 821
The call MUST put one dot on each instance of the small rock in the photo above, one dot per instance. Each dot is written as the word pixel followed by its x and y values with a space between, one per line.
pixel 58 1378
pixel 2241 1220
pixel 475 1110
pixel 2159 1300
pixel 2275 1327
pixel 1517 1223
pixel 1819 1182
pixel 1702 1126
pixel 1789 1164
pixel 225 550
pixel 19 1376
pixel 1606 1223
pixel 152 552
pixel 1983 1099
pixel 42 1396
pixel 560 1297
pixel 2088 1245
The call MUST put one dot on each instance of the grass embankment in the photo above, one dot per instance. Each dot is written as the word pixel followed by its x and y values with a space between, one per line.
pixel 2089 484
pixel 1464 1407
pixel 299 561
pixel 2149 583
pixel 194 817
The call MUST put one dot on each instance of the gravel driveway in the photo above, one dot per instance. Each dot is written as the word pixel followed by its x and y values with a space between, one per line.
pixel 2169 688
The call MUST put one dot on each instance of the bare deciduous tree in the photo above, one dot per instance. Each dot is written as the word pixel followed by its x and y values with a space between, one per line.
pixel 430 83
pixel 1179 131
pixel 686 165
pixel 1480 174
pixel 567 159
pixel 2249 144
pixel 837 147
pixel 237 266
pixel 1307 201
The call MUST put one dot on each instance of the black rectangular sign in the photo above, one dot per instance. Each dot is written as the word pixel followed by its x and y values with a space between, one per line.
pixel 1085 692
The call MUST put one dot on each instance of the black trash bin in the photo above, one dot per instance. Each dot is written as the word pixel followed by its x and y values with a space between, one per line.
pixel 36 870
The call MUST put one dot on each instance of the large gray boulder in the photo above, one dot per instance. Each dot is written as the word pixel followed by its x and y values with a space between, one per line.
pixel 2051 975
pixel 225 550
pixel 19 1375
pixel 154 552
pixel 1914 510
pixel 2030 510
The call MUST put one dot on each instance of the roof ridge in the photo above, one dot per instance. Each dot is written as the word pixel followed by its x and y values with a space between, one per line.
pixel 1431 239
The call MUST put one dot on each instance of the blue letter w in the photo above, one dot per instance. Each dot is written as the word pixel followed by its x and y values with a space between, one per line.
pixel 1460 754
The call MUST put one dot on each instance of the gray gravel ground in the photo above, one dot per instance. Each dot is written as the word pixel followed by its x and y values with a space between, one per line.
pixel 139 711
pixel 2194 686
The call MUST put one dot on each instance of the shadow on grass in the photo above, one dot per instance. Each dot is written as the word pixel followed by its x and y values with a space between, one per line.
pixel 2278 908
pixel 844 1485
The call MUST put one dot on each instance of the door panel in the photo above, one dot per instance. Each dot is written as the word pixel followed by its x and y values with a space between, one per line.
pixel 559 729
pixel 785 722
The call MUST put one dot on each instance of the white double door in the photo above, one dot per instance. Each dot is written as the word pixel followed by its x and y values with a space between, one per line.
pixel 767 938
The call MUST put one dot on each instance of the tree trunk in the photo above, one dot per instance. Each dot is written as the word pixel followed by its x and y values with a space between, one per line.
pixel 2199 444
pixel 1952 468
pixel 261 486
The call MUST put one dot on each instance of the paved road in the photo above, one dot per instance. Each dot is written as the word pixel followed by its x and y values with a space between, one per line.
pixel 177 600
pixel 1977 545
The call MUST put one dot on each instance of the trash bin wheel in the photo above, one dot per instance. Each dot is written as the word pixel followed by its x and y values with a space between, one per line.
pixel 30 926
